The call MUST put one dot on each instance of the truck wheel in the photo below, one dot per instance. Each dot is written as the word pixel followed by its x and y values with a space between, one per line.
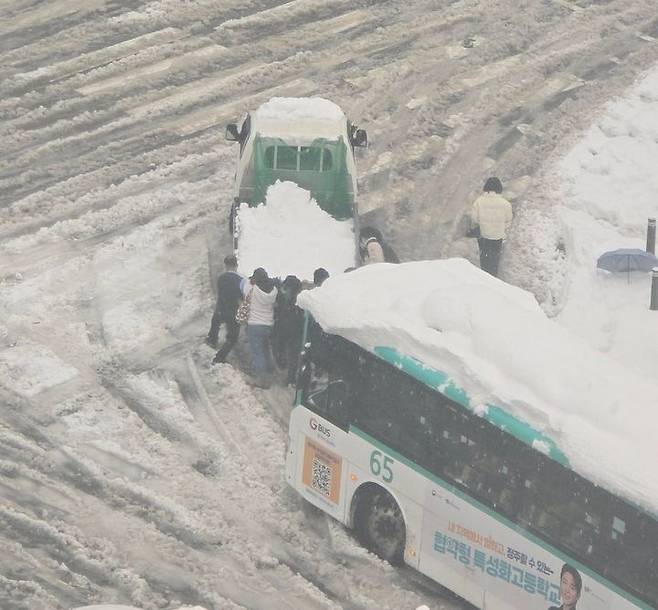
pixel 380 526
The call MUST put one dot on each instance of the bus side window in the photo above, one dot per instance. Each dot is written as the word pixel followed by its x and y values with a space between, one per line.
pixel 651 585
pixel 415 423
pixel 378 409
pixel 339 402
pixel 625 532
pixel 317 387
pixel 329 378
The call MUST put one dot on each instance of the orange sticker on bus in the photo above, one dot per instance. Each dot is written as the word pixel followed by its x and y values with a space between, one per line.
pixel 322 470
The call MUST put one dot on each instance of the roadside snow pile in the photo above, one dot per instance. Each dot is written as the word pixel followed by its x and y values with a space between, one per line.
pixel 611 173
pixel 495 342
pixel 608 184
pixel 291 235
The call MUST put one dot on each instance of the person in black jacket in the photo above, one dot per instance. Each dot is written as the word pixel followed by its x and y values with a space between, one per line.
pixel 288 327
pixel 366 234
pixel 229 296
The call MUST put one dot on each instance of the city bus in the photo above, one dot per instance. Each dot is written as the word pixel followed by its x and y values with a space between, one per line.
pixel 479 500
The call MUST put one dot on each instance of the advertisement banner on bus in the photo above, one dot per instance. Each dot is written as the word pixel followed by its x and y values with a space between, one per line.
pixel 478 552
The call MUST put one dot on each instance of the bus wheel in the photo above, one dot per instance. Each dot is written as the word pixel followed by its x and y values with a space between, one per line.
pixel 380 526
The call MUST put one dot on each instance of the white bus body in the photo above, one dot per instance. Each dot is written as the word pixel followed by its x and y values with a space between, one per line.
pixel 451 538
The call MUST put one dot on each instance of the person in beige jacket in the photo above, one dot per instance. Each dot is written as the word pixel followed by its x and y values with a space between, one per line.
pixel 492 213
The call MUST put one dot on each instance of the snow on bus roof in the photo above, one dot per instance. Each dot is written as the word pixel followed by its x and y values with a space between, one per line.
pixel 298 116
pixel 494 342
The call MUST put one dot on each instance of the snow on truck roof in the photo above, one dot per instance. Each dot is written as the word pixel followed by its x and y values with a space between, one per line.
pixel 492 348
pixel 314 117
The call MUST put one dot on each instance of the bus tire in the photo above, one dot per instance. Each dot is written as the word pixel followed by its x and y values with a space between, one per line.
pixel 380 525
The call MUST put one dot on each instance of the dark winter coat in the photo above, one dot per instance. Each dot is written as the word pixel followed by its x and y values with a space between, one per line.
pixel 229 294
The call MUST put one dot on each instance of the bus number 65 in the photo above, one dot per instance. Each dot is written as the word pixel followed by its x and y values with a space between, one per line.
pixel 379 467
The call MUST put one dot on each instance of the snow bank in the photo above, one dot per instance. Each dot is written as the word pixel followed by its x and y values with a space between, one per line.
pixel 607 185
pixel 291 235
pixel 611 172
pixel 494 341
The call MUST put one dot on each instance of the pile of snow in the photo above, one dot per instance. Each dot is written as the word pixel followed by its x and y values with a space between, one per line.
pixel 608 187
pixel 290 117
pixel 495 342
pixel 612 170
pixel 291 235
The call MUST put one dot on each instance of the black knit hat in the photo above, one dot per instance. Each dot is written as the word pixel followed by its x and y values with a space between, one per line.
pixel 320 275
pixel 259 274
pixel 493 184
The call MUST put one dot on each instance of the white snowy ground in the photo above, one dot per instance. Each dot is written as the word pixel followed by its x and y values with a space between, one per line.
pixel 604 191
pixel 131 472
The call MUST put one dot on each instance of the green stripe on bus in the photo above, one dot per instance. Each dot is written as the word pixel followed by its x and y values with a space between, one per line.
pixel 499 417
pixel 498 517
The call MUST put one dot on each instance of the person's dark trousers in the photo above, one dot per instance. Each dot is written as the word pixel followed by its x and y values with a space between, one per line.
pixel 292 358
pixel 232 334
pixel 490 254
pixel 213 333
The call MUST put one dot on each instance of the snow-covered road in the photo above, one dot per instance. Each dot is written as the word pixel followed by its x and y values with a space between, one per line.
pixel 130 470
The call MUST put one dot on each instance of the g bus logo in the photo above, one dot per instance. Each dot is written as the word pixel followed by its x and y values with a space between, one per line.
pixel 316 425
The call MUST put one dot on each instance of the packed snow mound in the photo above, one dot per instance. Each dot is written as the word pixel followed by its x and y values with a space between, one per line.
pixel 606 186
pixel 290 234
pixel 495 342
pixel 292 117
pixel 611 172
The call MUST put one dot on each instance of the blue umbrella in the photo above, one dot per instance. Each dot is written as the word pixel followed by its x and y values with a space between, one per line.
pixel 627 259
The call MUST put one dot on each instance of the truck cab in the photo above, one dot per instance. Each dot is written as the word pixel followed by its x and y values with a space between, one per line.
pixel 308 141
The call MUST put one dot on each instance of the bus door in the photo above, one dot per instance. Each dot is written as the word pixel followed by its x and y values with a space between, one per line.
pixel 322 470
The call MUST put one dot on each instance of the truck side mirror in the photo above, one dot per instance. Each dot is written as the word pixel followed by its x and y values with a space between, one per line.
pixel 232 132
pixel 360 138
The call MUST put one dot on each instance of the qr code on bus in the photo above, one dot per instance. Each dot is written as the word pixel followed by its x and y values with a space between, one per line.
pixel 321 477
